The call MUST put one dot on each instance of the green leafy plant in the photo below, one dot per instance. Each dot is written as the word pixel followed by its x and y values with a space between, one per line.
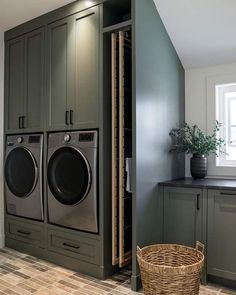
pixel 191 140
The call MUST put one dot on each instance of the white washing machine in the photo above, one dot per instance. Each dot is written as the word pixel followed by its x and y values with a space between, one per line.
pixel 72 179
pixel 23 175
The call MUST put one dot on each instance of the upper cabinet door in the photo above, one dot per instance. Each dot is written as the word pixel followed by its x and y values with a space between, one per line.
pixel 34 72
pixel 85 99
pixel 24 83
pixel 59 35
pixel 14 84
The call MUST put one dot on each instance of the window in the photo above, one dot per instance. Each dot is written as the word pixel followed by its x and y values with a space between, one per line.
pixel 225 95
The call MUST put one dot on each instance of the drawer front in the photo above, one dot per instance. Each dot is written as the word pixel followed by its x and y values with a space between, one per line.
pixel 81 248
pixel 25 232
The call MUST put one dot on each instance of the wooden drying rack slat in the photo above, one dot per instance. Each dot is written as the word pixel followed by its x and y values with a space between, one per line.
pixel 115 258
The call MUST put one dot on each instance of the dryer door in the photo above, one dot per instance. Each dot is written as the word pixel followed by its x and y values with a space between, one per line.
pixel 21 172
pixel 69 176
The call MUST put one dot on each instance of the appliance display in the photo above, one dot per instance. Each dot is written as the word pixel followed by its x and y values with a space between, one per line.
pixel 72 179
pixel 23 175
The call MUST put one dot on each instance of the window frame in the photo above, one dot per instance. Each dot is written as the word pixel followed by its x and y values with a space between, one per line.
pixel 214 169
pixel 223 115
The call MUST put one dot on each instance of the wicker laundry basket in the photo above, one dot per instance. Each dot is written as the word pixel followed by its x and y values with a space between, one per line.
pixel 171 269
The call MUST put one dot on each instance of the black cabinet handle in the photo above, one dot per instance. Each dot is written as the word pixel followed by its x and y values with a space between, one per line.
pixel 71 117
pixel 23 122
pixel 66 117
pixel 26 233
pixel 228 194
pixel 19 122
pixel 198 204
pixel 71 246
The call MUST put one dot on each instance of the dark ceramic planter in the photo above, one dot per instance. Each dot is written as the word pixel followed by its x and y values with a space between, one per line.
pixel 198 166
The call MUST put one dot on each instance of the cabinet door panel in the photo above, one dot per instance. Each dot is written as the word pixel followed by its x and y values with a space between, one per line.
pixel 34 79
pixel 86 98
pixel 14 83
pixel 221 234
pixel 182 216
pixel 58 72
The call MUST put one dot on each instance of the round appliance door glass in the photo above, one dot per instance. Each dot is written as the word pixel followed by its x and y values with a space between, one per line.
pixel 69 176
pixel 21 172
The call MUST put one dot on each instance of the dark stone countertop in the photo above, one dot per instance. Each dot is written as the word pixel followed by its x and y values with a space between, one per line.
pixel 212 183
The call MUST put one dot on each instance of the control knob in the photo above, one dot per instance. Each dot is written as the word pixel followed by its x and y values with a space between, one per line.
pixel 20 139
pixel 67 138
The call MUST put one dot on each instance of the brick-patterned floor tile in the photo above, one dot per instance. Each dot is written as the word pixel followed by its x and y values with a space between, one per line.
pixel 22 274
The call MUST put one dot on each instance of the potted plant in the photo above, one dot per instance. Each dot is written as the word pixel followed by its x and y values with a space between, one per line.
pixel 191 140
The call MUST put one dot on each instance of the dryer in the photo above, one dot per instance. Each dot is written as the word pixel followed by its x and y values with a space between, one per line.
pixel 72 179
pixel 23 175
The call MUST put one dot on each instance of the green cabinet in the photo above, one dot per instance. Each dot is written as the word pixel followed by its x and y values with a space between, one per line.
pixel 221 245
pixel 73 71
pixel 24 83
pixel 183 215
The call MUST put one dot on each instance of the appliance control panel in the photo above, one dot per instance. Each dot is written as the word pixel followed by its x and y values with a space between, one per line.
pixel 25 139
pixel 83 137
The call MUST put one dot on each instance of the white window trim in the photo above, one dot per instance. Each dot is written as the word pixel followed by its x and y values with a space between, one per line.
pixel 212 81
pixel 224 117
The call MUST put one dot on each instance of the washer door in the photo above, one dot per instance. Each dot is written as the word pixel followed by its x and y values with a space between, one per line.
pixel 21 172
pixel 69 176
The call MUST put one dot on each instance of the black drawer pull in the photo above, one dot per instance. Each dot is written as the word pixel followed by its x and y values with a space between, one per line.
pixel 198 204
pixel 71 117
pixel 228 194
pixel 66 117
pixel 26 233
pixel 71 246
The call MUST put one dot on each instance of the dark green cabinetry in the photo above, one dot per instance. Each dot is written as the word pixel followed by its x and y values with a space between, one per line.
pixel 24 84
pixel 82 248
pixel 221 246
pixel 58 57
pixel 52 83
pixel 73 71
pixel 183 216
pixel 25 232
pixel 203 210
pixel 14 102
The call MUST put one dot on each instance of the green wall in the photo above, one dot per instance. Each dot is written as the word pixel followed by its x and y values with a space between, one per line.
pixel 158 107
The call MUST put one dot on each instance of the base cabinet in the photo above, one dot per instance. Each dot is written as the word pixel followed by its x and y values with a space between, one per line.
pixel 205 214
pixel 221 246
pixel 183 215
pixel 25 232
pixel 84 249
pixel 74 250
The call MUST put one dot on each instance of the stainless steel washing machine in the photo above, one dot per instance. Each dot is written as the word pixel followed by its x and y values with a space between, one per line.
pixel 23 175
pixel 72 179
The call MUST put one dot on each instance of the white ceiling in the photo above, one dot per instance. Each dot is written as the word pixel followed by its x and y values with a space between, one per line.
pixel 202 31
pixel 15 12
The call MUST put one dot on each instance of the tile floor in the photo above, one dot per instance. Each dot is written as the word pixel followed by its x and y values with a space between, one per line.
pixel 21 274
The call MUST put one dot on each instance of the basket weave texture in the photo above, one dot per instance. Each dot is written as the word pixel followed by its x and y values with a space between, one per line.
pixel 170 269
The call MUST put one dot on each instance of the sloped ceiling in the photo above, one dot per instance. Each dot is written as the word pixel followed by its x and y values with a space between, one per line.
pixel 15 12
pixel 202 31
